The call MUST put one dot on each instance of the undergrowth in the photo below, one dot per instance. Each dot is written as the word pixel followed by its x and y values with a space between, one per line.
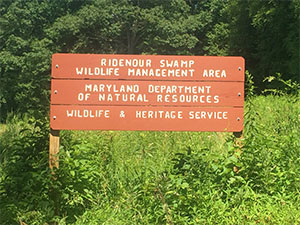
pixel 108 177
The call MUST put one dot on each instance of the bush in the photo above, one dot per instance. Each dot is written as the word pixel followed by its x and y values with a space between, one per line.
pixel 25 178
pixel 110 177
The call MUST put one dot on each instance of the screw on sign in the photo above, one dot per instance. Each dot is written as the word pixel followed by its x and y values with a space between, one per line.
pixel 147 92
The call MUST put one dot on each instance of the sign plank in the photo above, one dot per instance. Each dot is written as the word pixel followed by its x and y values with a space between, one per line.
pixel 176 93
pixel 147 67
pixel 147 92
pixel 69 117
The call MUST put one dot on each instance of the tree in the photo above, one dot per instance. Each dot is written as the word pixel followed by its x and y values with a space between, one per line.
pixel 266 33
pixel 25 53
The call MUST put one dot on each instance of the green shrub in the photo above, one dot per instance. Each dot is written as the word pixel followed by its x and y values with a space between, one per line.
pixel 125 177
pixel 25 178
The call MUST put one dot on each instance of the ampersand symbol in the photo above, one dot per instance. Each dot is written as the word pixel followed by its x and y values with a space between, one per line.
pixel 122 114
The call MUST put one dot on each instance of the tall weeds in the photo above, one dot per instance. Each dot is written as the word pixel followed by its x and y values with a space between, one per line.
pixel 124 177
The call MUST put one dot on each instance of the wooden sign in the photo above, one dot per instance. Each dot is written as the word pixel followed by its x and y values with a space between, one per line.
pixel 147 67
pixel 119 92
pixel 146 118
pixel 146 92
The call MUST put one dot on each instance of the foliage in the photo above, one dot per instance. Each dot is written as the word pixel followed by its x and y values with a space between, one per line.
pixel 151 177
pixel 24 177
pixel 108 177
pixel 265 33
pixel 279 86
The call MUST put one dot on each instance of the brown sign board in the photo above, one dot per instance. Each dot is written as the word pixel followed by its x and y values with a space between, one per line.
pixel 119 92
pixel 147 92
pixel 147 67
pixel 78 117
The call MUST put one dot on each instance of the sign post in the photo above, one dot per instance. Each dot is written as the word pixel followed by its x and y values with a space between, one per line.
pixel 54 149
pixel 145 92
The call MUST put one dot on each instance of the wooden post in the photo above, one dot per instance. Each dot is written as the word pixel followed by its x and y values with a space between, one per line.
pixel 54 149
pixel 238 140
pixel 238 134
pixel 54 164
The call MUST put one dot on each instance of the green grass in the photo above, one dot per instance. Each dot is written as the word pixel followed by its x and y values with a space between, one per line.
pixel 111 177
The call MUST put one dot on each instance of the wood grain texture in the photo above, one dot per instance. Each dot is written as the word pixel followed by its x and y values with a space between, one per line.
pixel 54 149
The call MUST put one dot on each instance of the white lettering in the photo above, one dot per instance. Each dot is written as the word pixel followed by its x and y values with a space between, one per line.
pixel 86 113
pixel 97 71
pixel 158 114
pixel 79 72
pixel 198 115
pixel 214 73
pixel 80 97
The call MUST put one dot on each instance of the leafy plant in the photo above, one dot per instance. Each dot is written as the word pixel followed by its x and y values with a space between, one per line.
pixel 279 86
pixel 24 170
